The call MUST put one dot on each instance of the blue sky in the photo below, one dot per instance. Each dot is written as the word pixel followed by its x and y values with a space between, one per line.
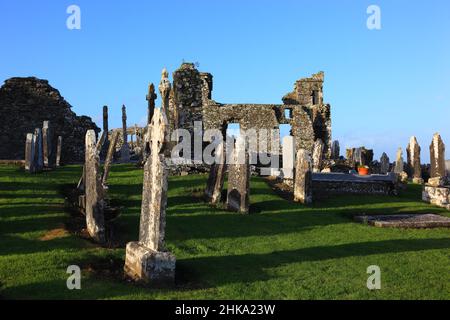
pixel 384 85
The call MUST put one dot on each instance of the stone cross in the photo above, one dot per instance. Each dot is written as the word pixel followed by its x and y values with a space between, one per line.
pixel 58 152
pixel 238 197
pixel 399 162
pixel 216 177
pixel 38 150
pixel 29 153
pixel 164 89
pixel 125 151
pixel 317 155
pixel 151 97
pixel 288 157
pixel 335 150
pixel 148 259
pixel 413 160
pixel 94 193
pixel 384 163
pixel 303 178
pixel 47 144
pixel 437 157
pixel 110 156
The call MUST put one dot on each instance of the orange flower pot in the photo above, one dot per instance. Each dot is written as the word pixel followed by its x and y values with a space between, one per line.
pixel 363 171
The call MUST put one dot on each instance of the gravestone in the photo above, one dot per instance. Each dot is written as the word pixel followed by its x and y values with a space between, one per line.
pixel 384 164
pixel 148 260
pixel 303 178
pixel 110 156
pixel 94 194
pixel 317 156
pixel 288 157
pixel 238 195
pixel 151 97
pixel 399 162
pixel 58 152
pixel 125 150
pixel 335 150
pixel 47 145
pixel 164 89
pixel 214 186
pixel 413 160
pixel 38 150
pixel 104 140
pixel 29 153
pixel 437 157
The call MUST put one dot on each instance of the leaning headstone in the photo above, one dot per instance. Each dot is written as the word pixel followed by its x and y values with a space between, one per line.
pixel 94 193
pixel 437 157
pixel 303 178
pixel 335 150
pixel 238 195
pixel 413 160
pixel 317 155
pixel 125 151
pixel 58 152
pixel 38 150
pixel 214 186
pixel 110 156
pixel 399 162
pixel 384 164
pixel 29 153
pixel 148 260
pixel 47 144
pixel 288 157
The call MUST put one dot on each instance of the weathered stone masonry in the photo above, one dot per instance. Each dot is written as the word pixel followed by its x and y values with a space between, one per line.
pixel 25 103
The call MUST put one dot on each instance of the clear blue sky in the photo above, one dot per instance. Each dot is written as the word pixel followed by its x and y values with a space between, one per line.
pixel 383 85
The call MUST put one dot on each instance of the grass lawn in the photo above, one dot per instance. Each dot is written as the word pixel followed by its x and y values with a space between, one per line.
pixel 282 251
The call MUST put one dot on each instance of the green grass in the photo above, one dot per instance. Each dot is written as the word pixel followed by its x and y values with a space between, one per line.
pixel 281 251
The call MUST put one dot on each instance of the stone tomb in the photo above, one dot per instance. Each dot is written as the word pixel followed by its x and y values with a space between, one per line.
pixel 147 260
pixel 416 221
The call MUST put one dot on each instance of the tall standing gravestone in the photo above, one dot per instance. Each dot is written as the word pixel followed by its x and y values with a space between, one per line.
pixel 303 178
pixel 317 155
pixel 437 157
pixel 94 193
pixel 47 145
pixel 216 177
pixel 238 197
pixel 147 260
pixel 288 157
pixel 399 162
pixel 58 152
pixel 125 151
pixel 335 150
pixel 29 153
pixel 38 150
pixel 413 160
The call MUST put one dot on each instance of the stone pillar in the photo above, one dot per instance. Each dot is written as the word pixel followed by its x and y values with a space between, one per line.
pixel 148 260
pixel 125 151
pixel 238 197
pixel 29 153
pixel 317 155
pixel 110 156
pixel 47 144
pixel 164 89
pixel 399 162
pixel 288 157
pixel 216 177
pixel 94 193
pixel 58 152
pixel 105 121
pixel 38 150
pixel 303 178
pixel 413 160
pixel 335 150
pixel 384 164
pixel 437 157
pixel 151 97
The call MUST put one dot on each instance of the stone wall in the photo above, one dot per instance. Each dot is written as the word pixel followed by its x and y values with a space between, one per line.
pixel 25 103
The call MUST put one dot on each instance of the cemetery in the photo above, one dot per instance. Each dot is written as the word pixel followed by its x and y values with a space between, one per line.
pixel 270 218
